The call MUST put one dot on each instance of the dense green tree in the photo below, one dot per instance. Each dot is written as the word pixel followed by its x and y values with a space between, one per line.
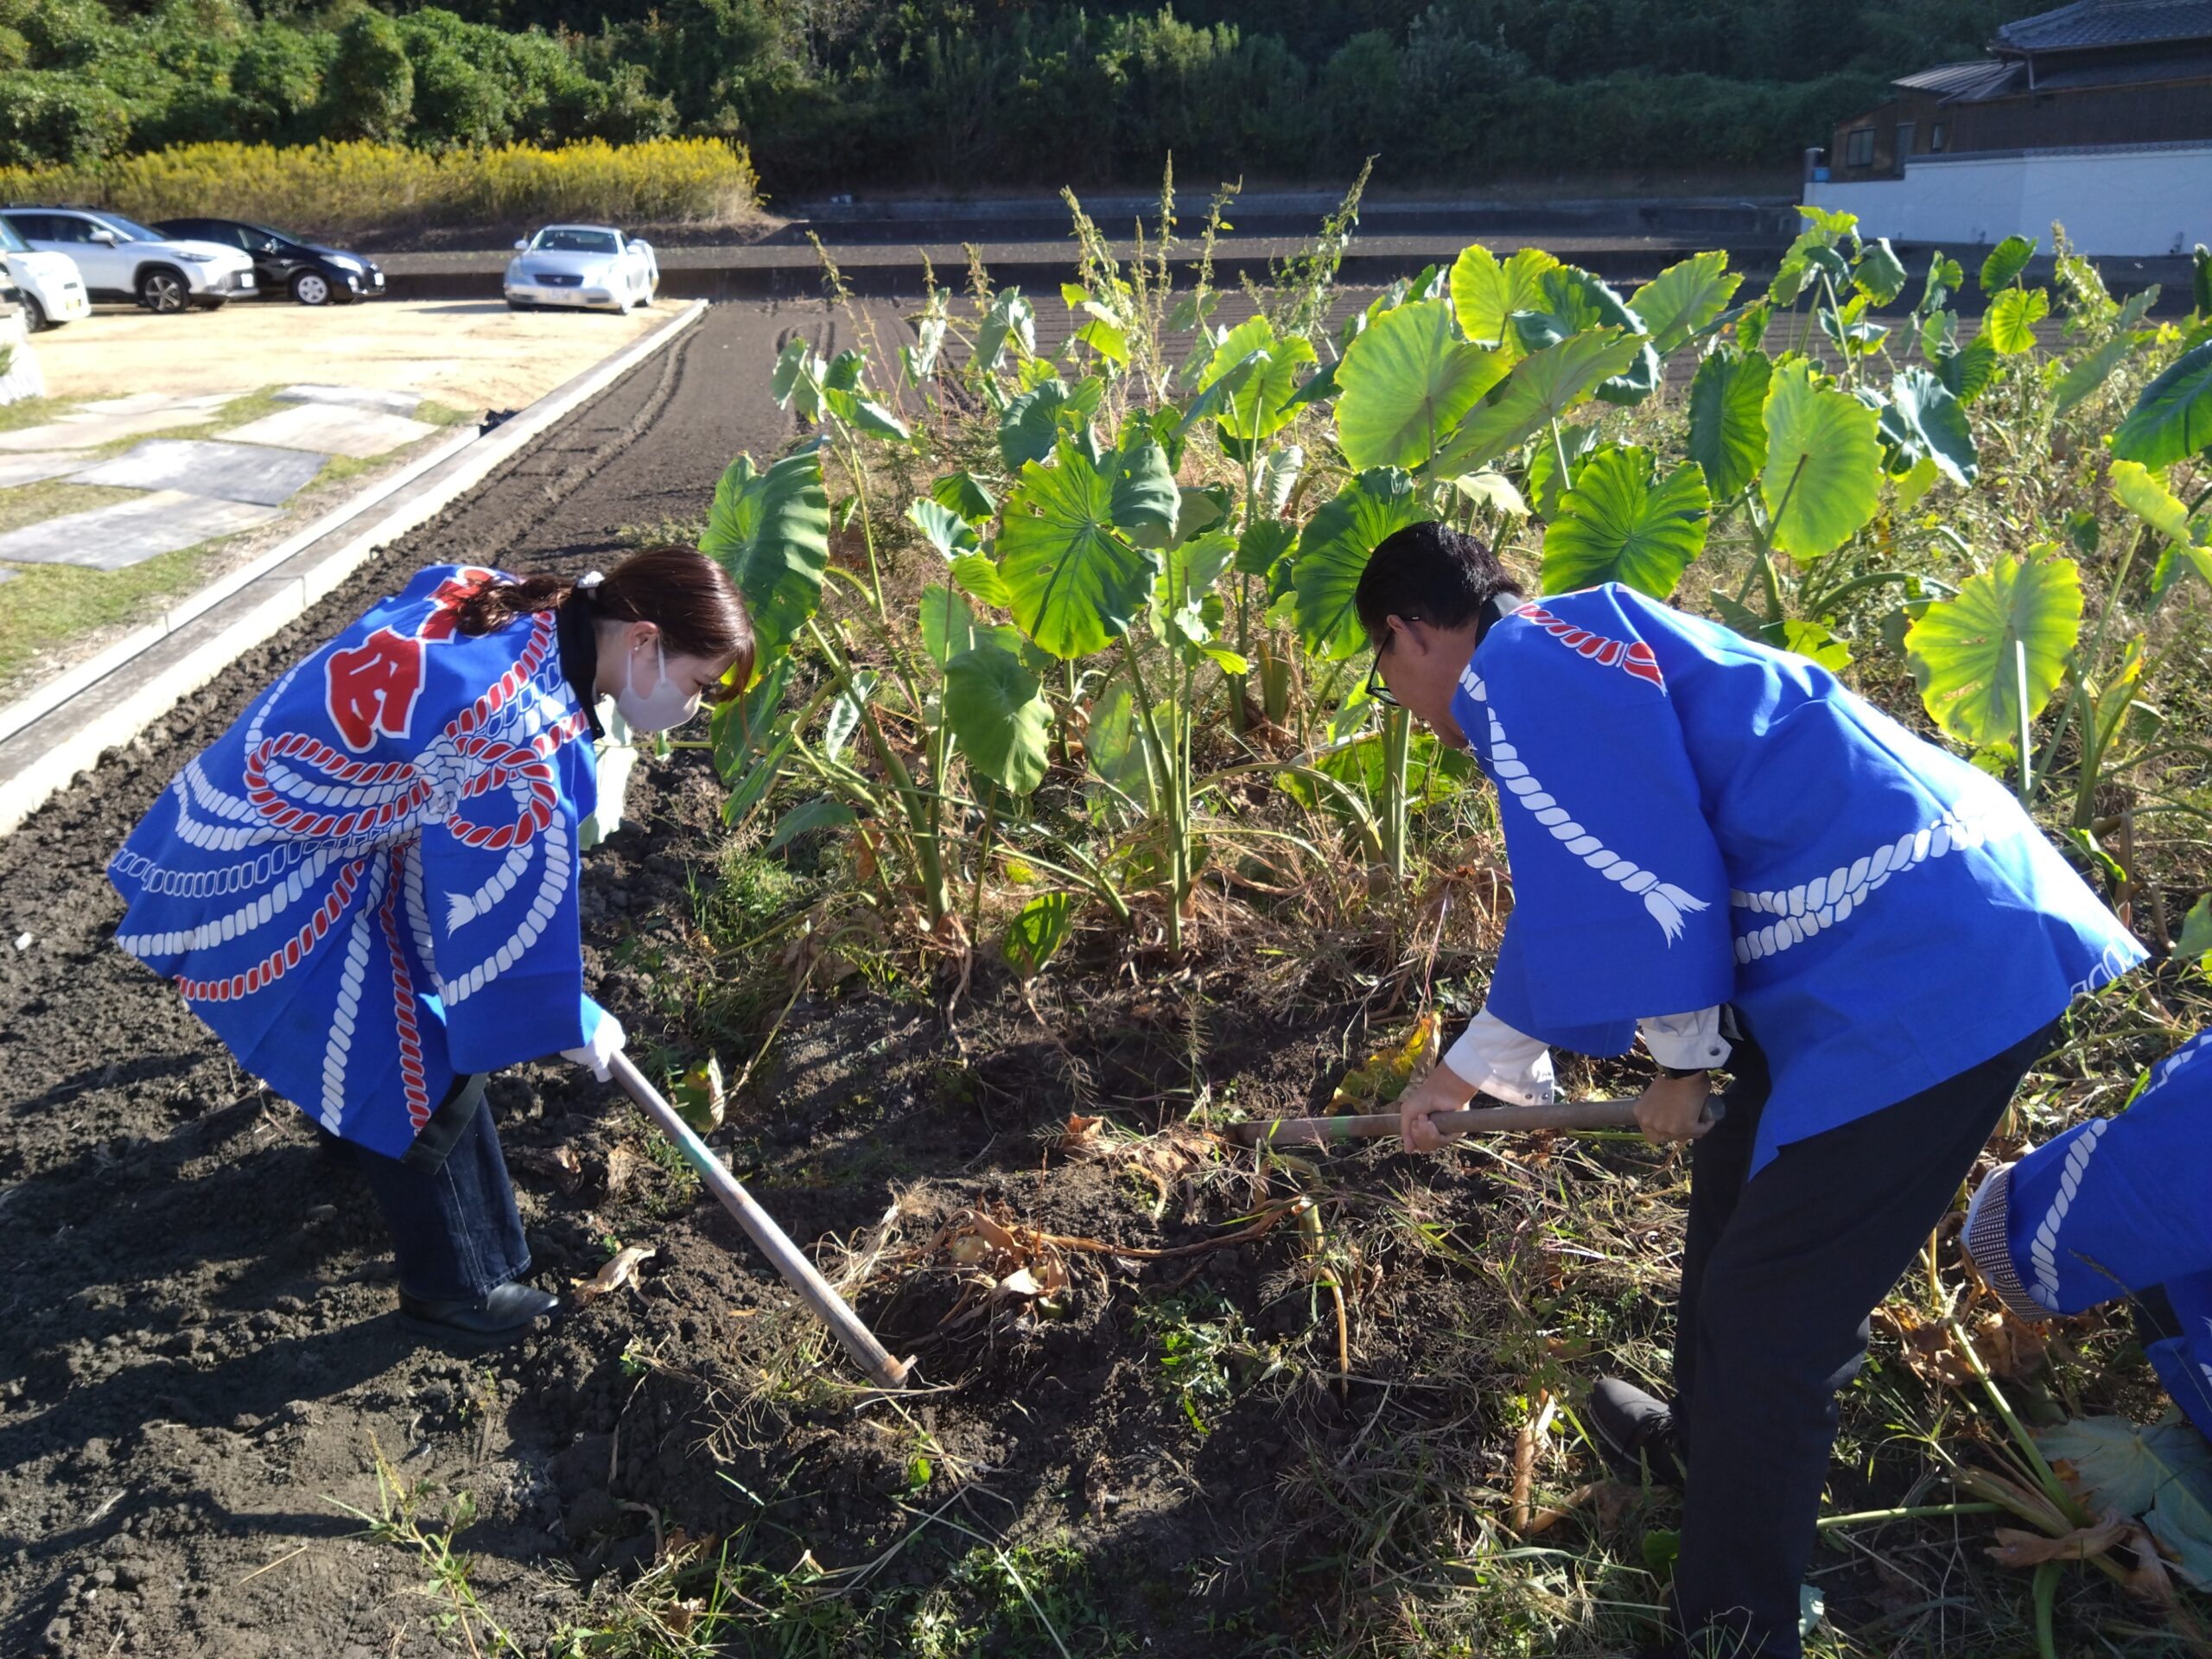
pixel 833 93
pixel 369 90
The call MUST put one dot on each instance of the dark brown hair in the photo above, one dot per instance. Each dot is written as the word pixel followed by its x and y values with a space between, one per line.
pixel 681 591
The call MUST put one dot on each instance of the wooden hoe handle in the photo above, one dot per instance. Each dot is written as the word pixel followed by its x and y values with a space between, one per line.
pixel 1479 1119
pixel 800 1274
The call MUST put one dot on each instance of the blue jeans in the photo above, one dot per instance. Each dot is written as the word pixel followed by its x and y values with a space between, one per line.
pixel 455 1234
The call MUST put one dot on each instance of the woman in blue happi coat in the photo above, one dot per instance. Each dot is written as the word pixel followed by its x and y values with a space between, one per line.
pixel 2118 1207
pixel 1714 845
pixel 367 887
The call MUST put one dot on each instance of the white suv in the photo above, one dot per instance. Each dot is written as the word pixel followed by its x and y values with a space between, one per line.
pixel 52 288
pixel 123 261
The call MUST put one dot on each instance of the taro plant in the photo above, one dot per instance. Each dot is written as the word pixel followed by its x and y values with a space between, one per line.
pixel 1139 551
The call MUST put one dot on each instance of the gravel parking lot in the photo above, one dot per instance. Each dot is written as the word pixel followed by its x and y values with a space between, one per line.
pixel 468 354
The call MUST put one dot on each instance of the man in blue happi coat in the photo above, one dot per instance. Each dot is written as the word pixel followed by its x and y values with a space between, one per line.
pixel 1714 845
pixel 2118 1207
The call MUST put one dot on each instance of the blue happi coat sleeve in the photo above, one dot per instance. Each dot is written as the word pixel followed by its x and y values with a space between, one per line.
pixel 2113 1205
pixel 1620 894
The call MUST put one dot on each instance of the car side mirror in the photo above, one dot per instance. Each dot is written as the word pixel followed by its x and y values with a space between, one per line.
pixel 270 247
pixel 521 247
pixel 107 237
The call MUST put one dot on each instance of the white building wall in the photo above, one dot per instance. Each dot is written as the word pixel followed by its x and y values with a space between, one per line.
pixel 2153 199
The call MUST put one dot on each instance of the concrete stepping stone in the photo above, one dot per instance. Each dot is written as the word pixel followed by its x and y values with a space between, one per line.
pixel 146 402
pixel 333 429
pixel 233 472
pixel 82 431
pixel 125 532
pixel 391 402
pixel 38 465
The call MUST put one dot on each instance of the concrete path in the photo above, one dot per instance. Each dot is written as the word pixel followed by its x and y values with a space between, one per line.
pixel 231 472
pixel 333 430
pixel 123 533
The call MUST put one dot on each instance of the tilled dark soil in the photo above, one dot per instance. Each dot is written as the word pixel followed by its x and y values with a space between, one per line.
pixel 202 1357
pixel 201 1361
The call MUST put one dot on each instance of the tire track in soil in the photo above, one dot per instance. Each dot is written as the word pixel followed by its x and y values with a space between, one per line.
pixel 196 1333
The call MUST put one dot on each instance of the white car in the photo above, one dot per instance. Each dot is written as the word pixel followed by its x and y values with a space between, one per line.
pixel 49 284
pixel 124 262
pixel 582 265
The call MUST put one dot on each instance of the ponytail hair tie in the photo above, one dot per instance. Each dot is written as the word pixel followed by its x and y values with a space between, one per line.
pixel 590 580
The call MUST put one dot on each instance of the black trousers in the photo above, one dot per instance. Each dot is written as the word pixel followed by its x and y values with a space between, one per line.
pixel 1778 1277
pixel 455 1233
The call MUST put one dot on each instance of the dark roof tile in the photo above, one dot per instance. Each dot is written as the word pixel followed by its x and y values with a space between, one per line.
pixel 2088 23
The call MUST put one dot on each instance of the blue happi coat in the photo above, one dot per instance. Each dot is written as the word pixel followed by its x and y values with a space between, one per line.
pixel 1694 818
pixel 367 886
pixel 2114 1205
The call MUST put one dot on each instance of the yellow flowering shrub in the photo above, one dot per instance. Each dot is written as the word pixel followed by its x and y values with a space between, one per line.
pixel 335 187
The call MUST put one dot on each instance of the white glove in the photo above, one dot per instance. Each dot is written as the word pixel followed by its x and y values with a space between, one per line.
pixel 602 1042
pixel 1502 1063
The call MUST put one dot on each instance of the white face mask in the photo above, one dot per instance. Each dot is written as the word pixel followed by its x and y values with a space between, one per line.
pixel 661 710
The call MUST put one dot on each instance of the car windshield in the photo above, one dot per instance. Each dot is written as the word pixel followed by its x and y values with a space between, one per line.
pixel 272 231
pixel 559 238
pixel 9 242
pixel 127 230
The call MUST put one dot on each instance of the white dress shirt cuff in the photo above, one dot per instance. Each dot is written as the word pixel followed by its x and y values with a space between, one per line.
pixel 1685 1042
pixel 1502 1062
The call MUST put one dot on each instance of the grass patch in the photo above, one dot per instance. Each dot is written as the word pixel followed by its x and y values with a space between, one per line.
pixel 32 411
pixel 49 604
pixel 52 497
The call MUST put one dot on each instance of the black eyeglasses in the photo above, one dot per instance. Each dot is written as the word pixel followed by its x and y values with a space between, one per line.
pixel 1376 690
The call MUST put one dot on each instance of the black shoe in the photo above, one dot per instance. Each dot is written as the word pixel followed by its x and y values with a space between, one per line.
pixel 508 1311
pixel 1635 1432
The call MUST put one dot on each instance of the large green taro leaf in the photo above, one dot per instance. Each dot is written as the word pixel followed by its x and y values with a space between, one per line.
pixel 1969 653
pixel 998 716
pixel 2005 262
pixel 1486 292
pixel 1617 523
pixel 1684 299
pixel 1040 416
pixel 1334 550
pixel 1542 387
pixel 770 532
pixel 2011 325
pixel 2162 1472
pixel 1406 384
pixel 1924 419
pixel 1823 472
pixel 1076 577
pixel 1727 435
pixel 1261 404
pixel 2173 420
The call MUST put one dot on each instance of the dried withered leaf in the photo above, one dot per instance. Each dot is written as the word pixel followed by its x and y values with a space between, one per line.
pixel 2017 1549
pixel 1081 1133
pixel 622 1270
pixel 619 1162
pixel 1608 1498
pixel 2009 1346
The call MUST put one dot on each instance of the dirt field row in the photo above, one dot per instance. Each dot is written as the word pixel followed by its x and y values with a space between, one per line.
pixel 198 1343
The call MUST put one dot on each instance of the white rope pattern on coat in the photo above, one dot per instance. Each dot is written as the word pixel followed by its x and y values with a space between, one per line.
pixel 1665 902
pixel 1824 901
pixel 345 1015
pixel 2043 1251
